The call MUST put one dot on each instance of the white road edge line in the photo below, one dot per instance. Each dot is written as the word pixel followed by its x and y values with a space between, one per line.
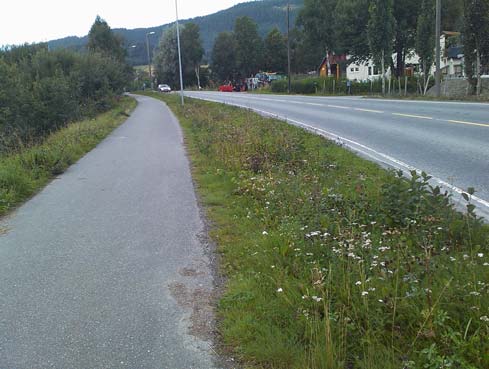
pixel 358 147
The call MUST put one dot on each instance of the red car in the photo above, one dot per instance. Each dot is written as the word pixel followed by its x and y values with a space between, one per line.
pixel 225 88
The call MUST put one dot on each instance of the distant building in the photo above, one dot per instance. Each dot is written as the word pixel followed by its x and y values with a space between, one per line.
pixel 451 62
pixel 333 66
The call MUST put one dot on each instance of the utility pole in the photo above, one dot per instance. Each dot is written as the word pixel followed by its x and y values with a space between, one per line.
pixel 438 49
pixel 288 46
pixel 179 56
pixel 149 58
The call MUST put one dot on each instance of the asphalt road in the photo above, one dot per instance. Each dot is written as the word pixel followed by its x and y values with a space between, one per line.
pixel 107 266
pixel 448 140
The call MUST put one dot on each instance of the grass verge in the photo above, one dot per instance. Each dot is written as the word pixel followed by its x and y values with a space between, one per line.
pixel 331 261
pixel 23 174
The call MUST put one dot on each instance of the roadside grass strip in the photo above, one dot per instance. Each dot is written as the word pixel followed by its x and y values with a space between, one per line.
pixel 24 173
pixel 330 261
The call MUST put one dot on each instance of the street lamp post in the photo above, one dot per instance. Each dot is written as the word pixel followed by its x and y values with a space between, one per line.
pixel 149 57
pixel 288 47
pixel 179 55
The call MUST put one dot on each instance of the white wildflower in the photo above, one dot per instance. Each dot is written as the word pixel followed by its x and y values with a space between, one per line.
pixel 364 293
pixel 280 290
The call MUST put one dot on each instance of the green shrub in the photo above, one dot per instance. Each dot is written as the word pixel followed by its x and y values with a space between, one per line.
pixel 331 86
pixel 42 91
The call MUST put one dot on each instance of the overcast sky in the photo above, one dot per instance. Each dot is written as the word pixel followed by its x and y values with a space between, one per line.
pixel 43 20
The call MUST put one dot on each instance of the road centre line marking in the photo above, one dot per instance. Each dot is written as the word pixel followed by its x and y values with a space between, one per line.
pixel 412 116
pixel 468 123
pixel 485 125
pixel 339 107
pixel 370 110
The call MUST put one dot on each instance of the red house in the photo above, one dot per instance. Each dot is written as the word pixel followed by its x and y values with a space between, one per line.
pixel 333 65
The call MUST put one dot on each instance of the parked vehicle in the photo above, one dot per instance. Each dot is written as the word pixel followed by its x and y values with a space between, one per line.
pixel 164 88
pixel 226 88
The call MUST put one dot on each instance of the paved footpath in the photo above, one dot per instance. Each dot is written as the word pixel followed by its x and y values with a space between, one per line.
pixel 107 267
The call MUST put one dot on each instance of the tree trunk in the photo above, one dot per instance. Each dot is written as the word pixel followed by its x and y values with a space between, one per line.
pixel 425 75
pixel 478 70
pixel 382 64
pixel 197 73
pixel 426 85
pixel 399 63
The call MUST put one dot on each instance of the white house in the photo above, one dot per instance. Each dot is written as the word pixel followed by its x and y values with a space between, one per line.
pixel 451 63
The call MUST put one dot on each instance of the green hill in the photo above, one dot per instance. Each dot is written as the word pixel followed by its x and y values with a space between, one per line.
pixel 266 13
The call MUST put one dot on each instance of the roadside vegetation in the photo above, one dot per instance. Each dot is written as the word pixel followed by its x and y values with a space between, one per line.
pixel 42 91
pixel 26 171
pixel 55 106
pixel 331 261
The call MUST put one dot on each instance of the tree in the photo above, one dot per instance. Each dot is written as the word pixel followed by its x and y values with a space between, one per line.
pixel 224 56
pixel 101 39
pixel 425 39
pixel 249 46
pixel 351 20
pixel 405 14
pixel 166 59
pixel 380 32
pixel 476 44
pixel 317 20
pixel 276 51
pixel 192 53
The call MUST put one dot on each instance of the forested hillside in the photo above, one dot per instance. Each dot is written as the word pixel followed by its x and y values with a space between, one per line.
pixel 267 14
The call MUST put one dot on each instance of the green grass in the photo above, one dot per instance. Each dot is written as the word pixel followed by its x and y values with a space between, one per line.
pixel 331 261
pixel 24 173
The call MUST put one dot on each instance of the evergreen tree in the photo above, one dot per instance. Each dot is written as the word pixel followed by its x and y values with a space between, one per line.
pixel 101 39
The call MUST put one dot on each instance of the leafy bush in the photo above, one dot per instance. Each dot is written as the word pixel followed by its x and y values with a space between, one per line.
pixel 331 86
pixel 41 91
